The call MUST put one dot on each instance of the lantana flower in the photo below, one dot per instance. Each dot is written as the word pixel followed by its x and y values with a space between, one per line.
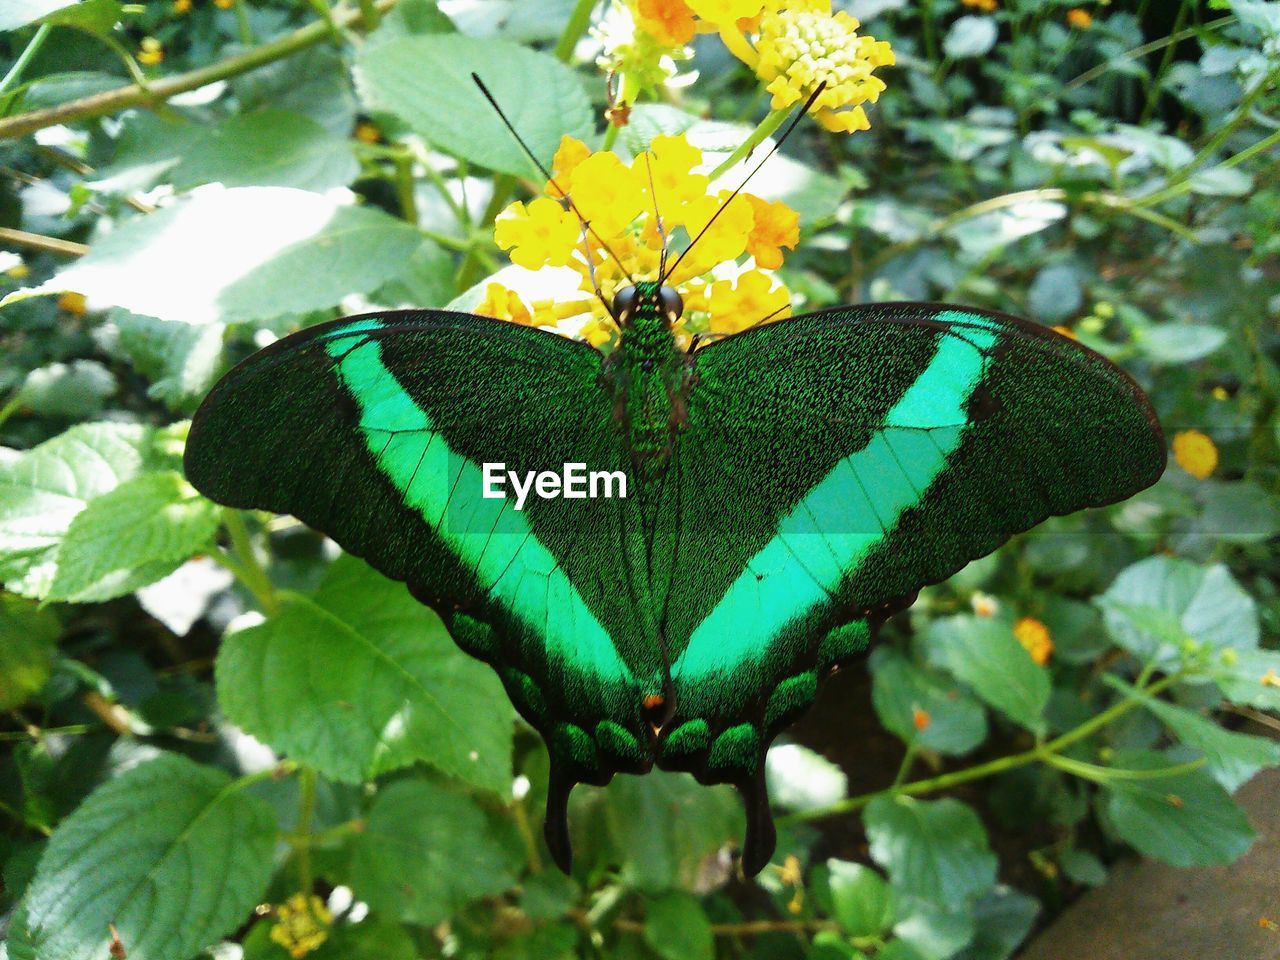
pixel 638 212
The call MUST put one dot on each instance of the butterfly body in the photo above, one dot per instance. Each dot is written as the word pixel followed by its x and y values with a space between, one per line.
pixel 788 488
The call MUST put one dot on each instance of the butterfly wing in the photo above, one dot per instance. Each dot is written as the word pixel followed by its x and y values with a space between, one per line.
pixel 375 430
pixel 832 465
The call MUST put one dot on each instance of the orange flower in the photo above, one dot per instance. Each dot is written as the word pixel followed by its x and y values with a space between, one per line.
pixel 670 22
pixel 986 6
pixel 920 718
pixel 1079 18
pixel 1034 637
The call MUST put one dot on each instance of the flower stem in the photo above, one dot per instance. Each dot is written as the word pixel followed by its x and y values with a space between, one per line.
pixel 574 29
pixel 247 568
pixel 1044 753
pixel 306 812
pixel 758 136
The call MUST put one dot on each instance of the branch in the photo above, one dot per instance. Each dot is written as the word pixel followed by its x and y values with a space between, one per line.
pixel 133 95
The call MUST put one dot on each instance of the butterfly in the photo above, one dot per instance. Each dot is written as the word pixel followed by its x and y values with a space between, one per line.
pixel 787 489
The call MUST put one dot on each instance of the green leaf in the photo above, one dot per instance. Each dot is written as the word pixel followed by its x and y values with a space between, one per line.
pixel 1177 343
pixel 1004 918
pixel 73 390
pixel 1221 181
pixel 405 691
pixel 1249 677
pixel 934 851
pixel 1186 819
pixel 243 254
pixel 181 360
pixel 861 900
pixel 426 81
pixel 906 697
pixel 171 852
pixel 677 928
pixel 1155 603
pixel 43 490
pixel 428 851
pixel 269 148
pixel 970 37
pixel 95 16
pixel 1232 757
pixel 137 533
pixel 1055 294
pixel 1083 867
pixel 661 828
pixel 28 638
pixel 984 654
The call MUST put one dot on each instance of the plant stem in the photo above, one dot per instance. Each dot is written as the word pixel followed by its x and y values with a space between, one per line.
pixel 1153 95
pixel 112 101
pixel 579 19
pixel 242 24
pixel 1172 40
pixel 36 241
pixel 25 57
pixel 248 569
pixel 927 32
pixel 306 812
pixel 404 187
pixel 758 136
pixel 1183 183
pixel 1002 764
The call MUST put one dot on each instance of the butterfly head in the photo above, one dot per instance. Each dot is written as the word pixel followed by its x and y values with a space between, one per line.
pixel 647 299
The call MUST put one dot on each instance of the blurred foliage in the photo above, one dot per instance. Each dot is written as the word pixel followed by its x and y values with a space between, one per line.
pixel 219 733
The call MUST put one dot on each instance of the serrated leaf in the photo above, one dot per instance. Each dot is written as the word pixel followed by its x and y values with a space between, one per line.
pixel 28 638
pixel 426 852
pixel 934 851
pixel 237 255
pixel 861 901
pixel 426 81
pixel 677 928
pixel 985 655
pixel 43 490
pixel 170 852
pixel 268 148
pixel 405 691
pixel 137 533
pixel 1157 601
pixel 923 708
pixel 1186 819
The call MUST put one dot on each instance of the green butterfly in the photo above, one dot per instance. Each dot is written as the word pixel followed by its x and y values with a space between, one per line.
pixel 788 488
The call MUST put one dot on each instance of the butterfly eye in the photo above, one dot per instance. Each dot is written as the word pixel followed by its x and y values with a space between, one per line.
pixel 670 302
pixel 624 303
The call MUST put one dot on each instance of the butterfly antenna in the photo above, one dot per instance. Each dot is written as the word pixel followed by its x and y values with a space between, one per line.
pixel 662 232
pixel 813 97
pixel 586 224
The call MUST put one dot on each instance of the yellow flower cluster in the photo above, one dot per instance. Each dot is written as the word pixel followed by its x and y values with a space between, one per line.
pixel 634 208
pixel 794 46
pixel 986 6
pixel 302 924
